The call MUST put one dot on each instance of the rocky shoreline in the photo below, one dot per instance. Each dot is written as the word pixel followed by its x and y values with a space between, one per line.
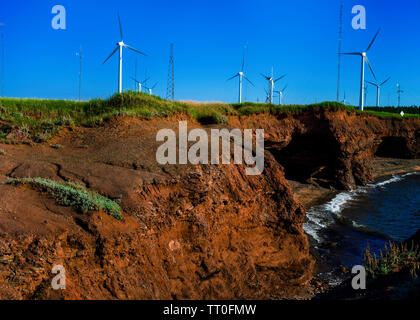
pixel 312 195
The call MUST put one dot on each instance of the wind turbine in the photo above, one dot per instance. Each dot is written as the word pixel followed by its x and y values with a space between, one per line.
pixel 378 89
pixel 140 83
pixel 280 93
pixel 363 55
pixel 151 88
pixel 344 98
pixel 80 55
pixel 399 91
pixel 366 91
pixel 241 75
pixel 120 46
pixel 271 82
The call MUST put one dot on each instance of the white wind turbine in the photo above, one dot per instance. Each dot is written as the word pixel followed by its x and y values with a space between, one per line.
pixel 362 78
pixel 150 88
pixel 378 89
pixel 120 46
pixel 241 75
pixel 280 93
pixel 271 82
pixel 140 84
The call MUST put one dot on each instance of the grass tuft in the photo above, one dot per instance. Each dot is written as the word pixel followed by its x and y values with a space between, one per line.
pixel 73 195
pixel 395 257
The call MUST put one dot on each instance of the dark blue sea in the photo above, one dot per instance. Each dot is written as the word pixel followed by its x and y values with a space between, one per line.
pixel 388 210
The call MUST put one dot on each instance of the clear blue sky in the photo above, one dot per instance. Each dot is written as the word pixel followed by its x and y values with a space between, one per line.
pixel 297 37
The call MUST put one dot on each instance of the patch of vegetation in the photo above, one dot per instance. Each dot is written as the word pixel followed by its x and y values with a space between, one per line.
pixel 409 110
pixel 394 258
pixel 42 118
pixel 56 146
pixel 73 195
pixel 2 152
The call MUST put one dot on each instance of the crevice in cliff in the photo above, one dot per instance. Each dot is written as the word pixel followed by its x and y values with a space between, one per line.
pixel 393 147
pixel 308 158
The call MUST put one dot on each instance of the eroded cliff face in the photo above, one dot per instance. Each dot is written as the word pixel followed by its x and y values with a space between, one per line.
pixel 189 232
pixel 334 148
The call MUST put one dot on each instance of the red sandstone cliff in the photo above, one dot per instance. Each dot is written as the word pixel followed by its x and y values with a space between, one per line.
pixel 189 232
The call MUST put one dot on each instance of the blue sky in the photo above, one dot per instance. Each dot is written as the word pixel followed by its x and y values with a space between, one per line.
pixel 296 37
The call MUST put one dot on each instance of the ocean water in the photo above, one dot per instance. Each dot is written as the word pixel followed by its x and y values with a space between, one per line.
pixel 388 210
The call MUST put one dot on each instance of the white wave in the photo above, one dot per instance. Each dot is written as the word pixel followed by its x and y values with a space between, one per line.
pixel 391 180
pixel 320 217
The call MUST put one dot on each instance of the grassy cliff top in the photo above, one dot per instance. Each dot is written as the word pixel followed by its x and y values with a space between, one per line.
pixel 47 115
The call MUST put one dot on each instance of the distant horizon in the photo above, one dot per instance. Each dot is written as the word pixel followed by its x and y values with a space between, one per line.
pixel 209 48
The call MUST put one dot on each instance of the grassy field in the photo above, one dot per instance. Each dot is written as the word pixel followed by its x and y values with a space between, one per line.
pixel 40 119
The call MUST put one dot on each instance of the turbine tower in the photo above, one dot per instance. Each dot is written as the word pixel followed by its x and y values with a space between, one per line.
pixel 364 58
pixel 80 55
pixel 378 89
pixel 241 75
pixel 271 82
pixel 2 58
pixel 366 91
pixel 399 91
pixel 119 47
pixel 280 93
pixel 340 32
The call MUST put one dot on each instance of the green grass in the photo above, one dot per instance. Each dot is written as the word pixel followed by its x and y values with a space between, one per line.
pixel 73 195
pixel 40 119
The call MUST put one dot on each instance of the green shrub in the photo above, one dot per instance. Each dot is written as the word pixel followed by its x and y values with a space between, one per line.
pixel 73 195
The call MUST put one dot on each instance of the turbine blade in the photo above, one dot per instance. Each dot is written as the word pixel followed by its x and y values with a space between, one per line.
pixel 145 80
pixel 135 50
pixel 236 75
pixel 284 88
pixel 243 63
pixel 352 53
pixel 374 37
pixel 115 50
pixel 385 81
pixel 248 80
pixel 267 78
pixel 119 22
pixel 279 78
pixel 155 85
pixel 371 70
pixel 374 84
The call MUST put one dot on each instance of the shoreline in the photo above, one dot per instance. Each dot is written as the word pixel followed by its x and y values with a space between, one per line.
pixel 310 195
